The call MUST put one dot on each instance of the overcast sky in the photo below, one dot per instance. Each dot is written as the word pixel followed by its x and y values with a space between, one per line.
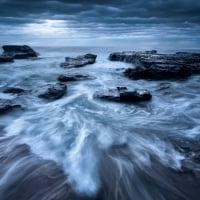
pixel 101 22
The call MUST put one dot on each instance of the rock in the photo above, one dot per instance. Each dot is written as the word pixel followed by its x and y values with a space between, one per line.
pixel 129 56
pixel 73 77
pixel 53 91
pixel 158 72
pixel 7 105
pixel 150 65
pixel 19 51
pixel 122 94
pixel 4 59
pixel 14 90
pixel 79 61
pixel 39 178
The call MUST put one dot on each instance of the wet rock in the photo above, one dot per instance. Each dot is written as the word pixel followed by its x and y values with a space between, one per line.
pixel 73 77
pixel 5 59
pixel 19 51
pixel 158 72
pixel 7 105
pixel 53 91
pixel 79 61
pixel 14 90
pixel 151 65
pixel 32 177
pixel 122 94
pixel 158 180
pixel 129 56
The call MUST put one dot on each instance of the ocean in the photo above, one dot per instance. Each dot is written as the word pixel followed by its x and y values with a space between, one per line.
pixel 106 150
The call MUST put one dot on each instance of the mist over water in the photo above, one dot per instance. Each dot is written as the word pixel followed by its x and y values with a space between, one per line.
pixel 127 151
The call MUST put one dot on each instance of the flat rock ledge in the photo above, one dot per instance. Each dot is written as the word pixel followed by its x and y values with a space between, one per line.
pixel 130 56
pixel 52 91
pixel 151 65
pixel 7 105
pixel 123 94
pixel 79 61
pixel 19 51
pixel 5 59
pixel 73 77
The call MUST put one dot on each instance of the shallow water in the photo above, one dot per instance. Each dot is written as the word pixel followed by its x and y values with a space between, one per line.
pixel 125 150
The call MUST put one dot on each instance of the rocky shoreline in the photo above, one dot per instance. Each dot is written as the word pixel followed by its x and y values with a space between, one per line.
pixel 148 65
pixel 57 90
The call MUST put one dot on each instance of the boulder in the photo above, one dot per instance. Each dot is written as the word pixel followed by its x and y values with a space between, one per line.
pixel 5 59
pixel 52 91
pixel 19 51
pixel 79 61
pixel 73 77
pixel 151 65
pixel 122 94
pixel 7 105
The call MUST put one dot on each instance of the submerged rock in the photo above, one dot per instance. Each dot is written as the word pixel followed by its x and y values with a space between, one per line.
pixel 33 177
pixel 14 90
pixel 79 61
pixel 150 65
pixel 7 105
pixel 150 175
pixel 53 91
pixel 19 51
pixel 5 59
pixel 122 94
pixel 73 77
pixel 41 179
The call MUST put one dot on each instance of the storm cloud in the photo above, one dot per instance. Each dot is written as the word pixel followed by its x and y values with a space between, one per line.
pixel 78 21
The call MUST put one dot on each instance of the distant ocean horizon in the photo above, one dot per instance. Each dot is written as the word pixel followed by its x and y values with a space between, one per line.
pixel 110 49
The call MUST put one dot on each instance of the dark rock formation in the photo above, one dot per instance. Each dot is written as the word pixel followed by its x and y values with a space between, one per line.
pixel 79 61
pixel 158 72
pixel 150 65
pixel 73 77
pixel 5 59
pixel 130 56
pixel 14 90
pixel 7 105
pixel 19 51
pixel 122 94
pixel 53 91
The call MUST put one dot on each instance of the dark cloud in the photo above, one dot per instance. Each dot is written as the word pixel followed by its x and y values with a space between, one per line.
pixel 114 18
pixel 163 11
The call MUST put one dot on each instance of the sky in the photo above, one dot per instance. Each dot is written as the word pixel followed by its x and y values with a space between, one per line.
pixel 134 23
